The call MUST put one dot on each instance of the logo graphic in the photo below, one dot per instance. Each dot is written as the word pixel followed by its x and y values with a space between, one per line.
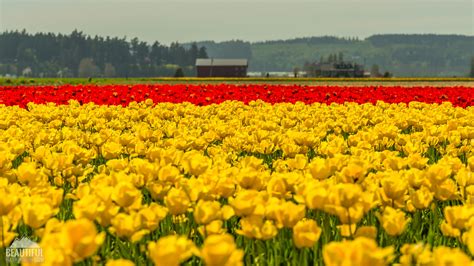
pixel 24 250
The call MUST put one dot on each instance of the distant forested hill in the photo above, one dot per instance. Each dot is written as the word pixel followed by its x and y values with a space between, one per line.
pixel 403 55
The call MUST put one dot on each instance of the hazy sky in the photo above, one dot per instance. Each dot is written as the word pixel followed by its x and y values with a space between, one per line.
pixel 185 20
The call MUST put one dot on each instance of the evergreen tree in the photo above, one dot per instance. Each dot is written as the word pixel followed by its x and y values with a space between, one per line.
pixel 329 58
pixel 179 73
pixel 340 58
pixel 296 71
pixel 157 53
pixel 472 67
pixel 387 74
pixel 202 52
pixel 193 54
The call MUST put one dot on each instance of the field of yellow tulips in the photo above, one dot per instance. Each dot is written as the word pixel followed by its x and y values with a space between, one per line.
pixel 234 183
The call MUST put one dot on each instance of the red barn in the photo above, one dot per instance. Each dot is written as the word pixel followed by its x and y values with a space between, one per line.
pixel 221 67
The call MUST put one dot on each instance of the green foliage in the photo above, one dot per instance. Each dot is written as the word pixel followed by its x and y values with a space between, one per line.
pixel 179 73
pixel 402 55
pixel 19 159
pixel 227 49
pixel 472 68
pixel 51 55
pixel 87 68
pixel 109 70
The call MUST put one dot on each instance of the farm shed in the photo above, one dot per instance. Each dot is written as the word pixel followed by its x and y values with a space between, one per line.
pixel 214 67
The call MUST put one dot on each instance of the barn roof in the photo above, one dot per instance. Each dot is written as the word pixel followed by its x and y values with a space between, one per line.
pixel 221 62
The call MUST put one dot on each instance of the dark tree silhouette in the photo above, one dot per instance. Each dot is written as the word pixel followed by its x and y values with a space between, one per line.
pixel 179 73
pixel 472 68
pixel 56 55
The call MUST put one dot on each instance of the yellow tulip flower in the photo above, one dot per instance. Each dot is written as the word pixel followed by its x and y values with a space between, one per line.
pixel 394 221
pixel 111 150
pixel 177 201
pixel 8 201
pixel 171 250
pixel 36 214
pixel 287 214
pixel 221 250
pixel 195 163
pixel 468 240
pixel 416 254
pixel 6 234
pixel 422 198
pixel 450 256
pixel 119 262
pixel 306 233
pixel 361 251
pixel 125 194
pixel 207 211
pixel 82 238
pixel 152 215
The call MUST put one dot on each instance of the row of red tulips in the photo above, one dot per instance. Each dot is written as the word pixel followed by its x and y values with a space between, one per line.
pixel 216 93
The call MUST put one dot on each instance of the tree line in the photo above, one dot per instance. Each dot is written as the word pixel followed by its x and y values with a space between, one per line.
pixel 226 49
pixel 80 55
pixel 409 55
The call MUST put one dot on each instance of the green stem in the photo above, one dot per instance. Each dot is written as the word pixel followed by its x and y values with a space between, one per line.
pixel 350 223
